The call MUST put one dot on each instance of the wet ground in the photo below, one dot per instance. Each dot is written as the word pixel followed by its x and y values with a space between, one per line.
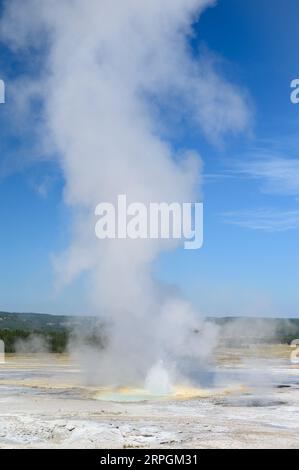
pixel 252 401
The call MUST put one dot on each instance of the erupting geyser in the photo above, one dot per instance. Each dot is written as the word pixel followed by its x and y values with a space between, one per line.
pixel 158 381
pixel 109 71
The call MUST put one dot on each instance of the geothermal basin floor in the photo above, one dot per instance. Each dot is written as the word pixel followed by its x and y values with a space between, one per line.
pixel 253 403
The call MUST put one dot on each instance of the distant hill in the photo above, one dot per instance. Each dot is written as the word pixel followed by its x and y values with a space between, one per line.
pixel 25 331
pixel 240 331
pixel 32 321
pixel 248 330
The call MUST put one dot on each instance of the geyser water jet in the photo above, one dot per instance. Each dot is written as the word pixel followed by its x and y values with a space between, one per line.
pixel 158 381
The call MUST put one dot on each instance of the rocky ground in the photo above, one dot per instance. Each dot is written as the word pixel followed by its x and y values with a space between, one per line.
pixel 42 405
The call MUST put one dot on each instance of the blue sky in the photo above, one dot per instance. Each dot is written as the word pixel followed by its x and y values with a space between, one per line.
pixel 249 262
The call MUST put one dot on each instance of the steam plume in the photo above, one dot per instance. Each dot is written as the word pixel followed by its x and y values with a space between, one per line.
pixel 110 70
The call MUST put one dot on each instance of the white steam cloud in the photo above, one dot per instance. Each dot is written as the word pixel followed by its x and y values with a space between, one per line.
pixel 110 66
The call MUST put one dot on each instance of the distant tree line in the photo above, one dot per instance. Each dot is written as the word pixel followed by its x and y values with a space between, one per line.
pixel 45 340
pixel 56 341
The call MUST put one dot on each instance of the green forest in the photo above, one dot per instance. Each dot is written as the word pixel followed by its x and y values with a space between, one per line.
pixel 52 333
